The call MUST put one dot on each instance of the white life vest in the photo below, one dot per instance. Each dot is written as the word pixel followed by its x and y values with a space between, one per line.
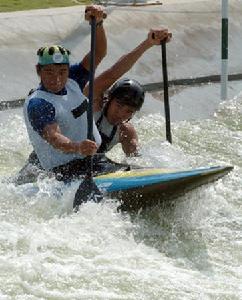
pixel 108 132
pixel 75 128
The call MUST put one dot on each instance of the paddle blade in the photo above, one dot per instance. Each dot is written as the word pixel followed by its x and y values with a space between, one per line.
pixel 87 191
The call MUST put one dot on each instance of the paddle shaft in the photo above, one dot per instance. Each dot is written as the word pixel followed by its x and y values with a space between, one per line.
pixel 88 190
pixel 166 94
pixel 90 93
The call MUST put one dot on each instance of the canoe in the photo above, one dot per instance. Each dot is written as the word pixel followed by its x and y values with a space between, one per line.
pixel 140 188
pixel 136 187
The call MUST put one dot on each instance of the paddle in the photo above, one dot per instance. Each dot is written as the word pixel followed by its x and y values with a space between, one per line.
pixel 88 190
pixel 166 95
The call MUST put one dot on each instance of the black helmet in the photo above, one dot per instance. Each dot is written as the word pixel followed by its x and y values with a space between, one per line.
pixel 129 92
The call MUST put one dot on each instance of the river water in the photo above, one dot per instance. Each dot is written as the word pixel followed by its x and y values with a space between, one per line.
pixel 188 248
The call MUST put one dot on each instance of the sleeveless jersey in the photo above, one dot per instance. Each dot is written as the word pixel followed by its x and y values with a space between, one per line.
pixel 71 116
pixel 108 132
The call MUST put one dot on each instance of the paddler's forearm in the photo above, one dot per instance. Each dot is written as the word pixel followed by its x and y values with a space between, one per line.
pixel 100 49
pixel 56 139
pixel 108 77
pixel 98 13
pixel 101 44
pixel 61 142
pixel 125 63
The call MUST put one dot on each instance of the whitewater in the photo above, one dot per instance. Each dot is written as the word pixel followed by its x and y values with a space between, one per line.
pixel 187 248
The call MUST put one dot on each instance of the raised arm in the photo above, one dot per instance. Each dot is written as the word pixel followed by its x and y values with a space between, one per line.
pixel 124 64
pixel 101 41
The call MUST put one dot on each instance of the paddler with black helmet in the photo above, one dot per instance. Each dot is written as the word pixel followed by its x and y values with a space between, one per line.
pixel 124 97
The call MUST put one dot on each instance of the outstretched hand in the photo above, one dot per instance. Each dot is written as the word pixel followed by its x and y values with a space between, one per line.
pixel 156 36
pixel 95 11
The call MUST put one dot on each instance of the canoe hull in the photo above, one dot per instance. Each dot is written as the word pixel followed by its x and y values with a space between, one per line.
pixel 137 189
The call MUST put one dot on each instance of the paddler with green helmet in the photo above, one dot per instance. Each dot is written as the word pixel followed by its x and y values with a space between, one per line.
pixel 56 112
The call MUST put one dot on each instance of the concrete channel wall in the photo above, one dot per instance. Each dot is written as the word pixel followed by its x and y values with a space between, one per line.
pixel 193 52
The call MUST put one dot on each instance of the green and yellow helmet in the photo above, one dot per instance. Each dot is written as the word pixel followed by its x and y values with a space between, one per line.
pixel 54 54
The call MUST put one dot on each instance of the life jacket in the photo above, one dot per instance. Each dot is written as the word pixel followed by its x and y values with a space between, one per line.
pixel 109 133
pixel 71 116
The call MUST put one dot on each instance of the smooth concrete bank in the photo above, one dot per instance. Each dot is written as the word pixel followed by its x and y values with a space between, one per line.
pixel 194 51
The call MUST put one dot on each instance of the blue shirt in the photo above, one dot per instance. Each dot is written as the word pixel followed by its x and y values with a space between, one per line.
pixel 41 112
